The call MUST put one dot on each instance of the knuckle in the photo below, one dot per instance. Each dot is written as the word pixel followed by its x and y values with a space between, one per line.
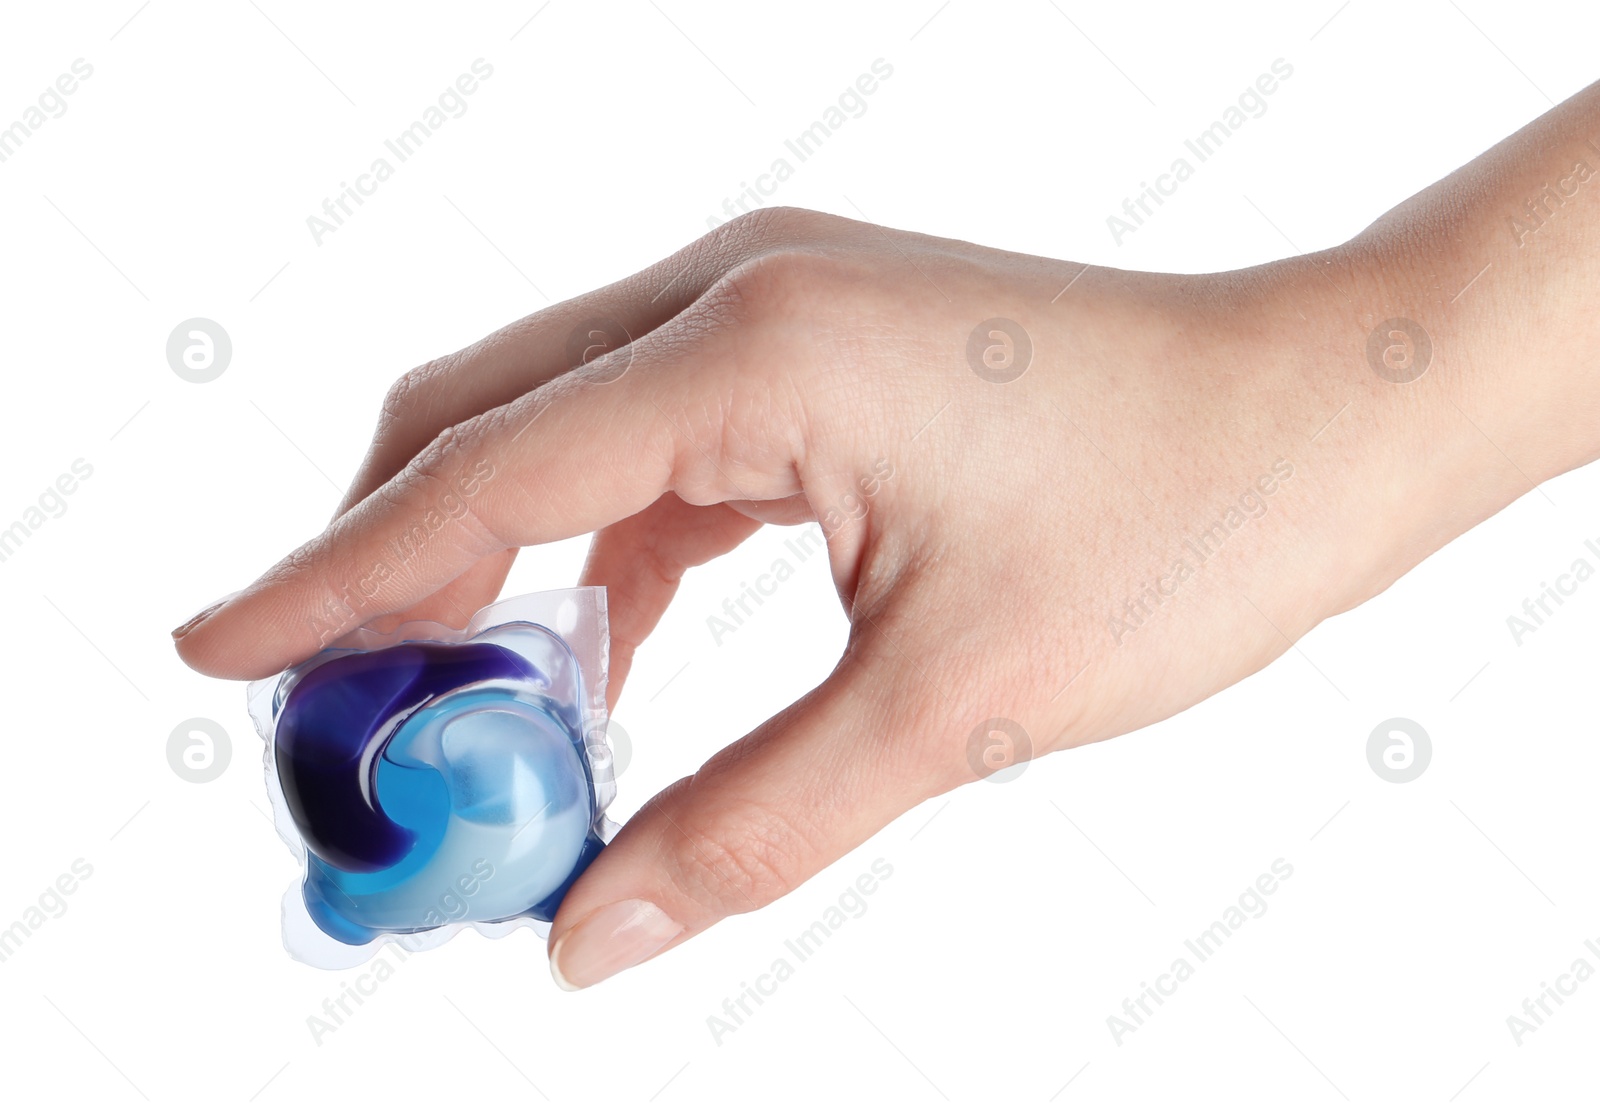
pixel 443 454
pixel 767 246
pixel 433 482
pixel 781 282
pixel 408 394
pixel 768 226
pixel 455 445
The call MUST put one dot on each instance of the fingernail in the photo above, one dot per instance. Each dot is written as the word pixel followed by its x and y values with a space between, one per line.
pixel 616 937
pixel 189 625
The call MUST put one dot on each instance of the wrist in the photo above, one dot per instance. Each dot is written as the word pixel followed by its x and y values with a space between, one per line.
pixel 1499 263
pixel 1418 419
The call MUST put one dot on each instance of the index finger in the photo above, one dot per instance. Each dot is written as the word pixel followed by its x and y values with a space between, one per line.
pixel 491 483
pixel 534 350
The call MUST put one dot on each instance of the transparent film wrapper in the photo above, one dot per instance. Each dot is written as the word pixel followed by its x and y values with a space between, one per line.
pixel 431 779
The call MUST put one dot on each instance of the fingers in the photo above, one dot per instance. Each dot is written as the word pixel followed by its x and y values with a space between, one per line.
pixel 641 560
pixel 570 458
pixel 523 474
pixel 495 371
pixel 509 363
pixel 615 448
pixel 455 602
pixel 757 820
pixel 500 368
pixel 534 350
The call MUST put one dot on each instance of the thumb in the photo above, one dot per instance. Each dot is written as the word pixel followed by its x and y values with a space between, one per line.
pixel 757 820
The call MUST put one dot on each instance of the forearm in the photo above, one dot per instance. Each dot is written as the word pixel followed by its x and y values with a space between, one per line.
pixel 1446 360
pixel 1499 263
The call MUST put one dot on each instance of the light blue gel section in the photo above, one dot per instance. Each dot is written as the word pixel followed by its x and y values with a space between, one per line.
pixel 496 791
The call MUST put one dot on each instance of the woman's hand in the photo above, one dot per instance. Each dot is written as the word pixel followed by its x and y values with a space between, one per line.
pixel 1061 503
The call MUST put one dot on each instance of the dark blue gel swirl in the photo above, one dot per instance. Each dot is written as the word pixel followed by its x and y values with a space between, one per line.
pixel 438 784
pixel 325 734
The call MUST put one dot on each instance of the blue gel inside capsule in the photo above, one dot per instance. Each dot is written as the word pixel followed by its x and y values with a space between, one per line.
pixel 435 784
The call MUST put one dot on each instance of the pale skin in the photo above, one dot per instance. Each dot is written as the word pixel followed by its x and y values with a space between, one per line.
pixel 785 357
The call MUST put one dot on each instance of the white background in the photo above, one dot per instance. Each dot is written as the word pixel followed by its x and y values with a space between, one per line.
pixel 177 184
